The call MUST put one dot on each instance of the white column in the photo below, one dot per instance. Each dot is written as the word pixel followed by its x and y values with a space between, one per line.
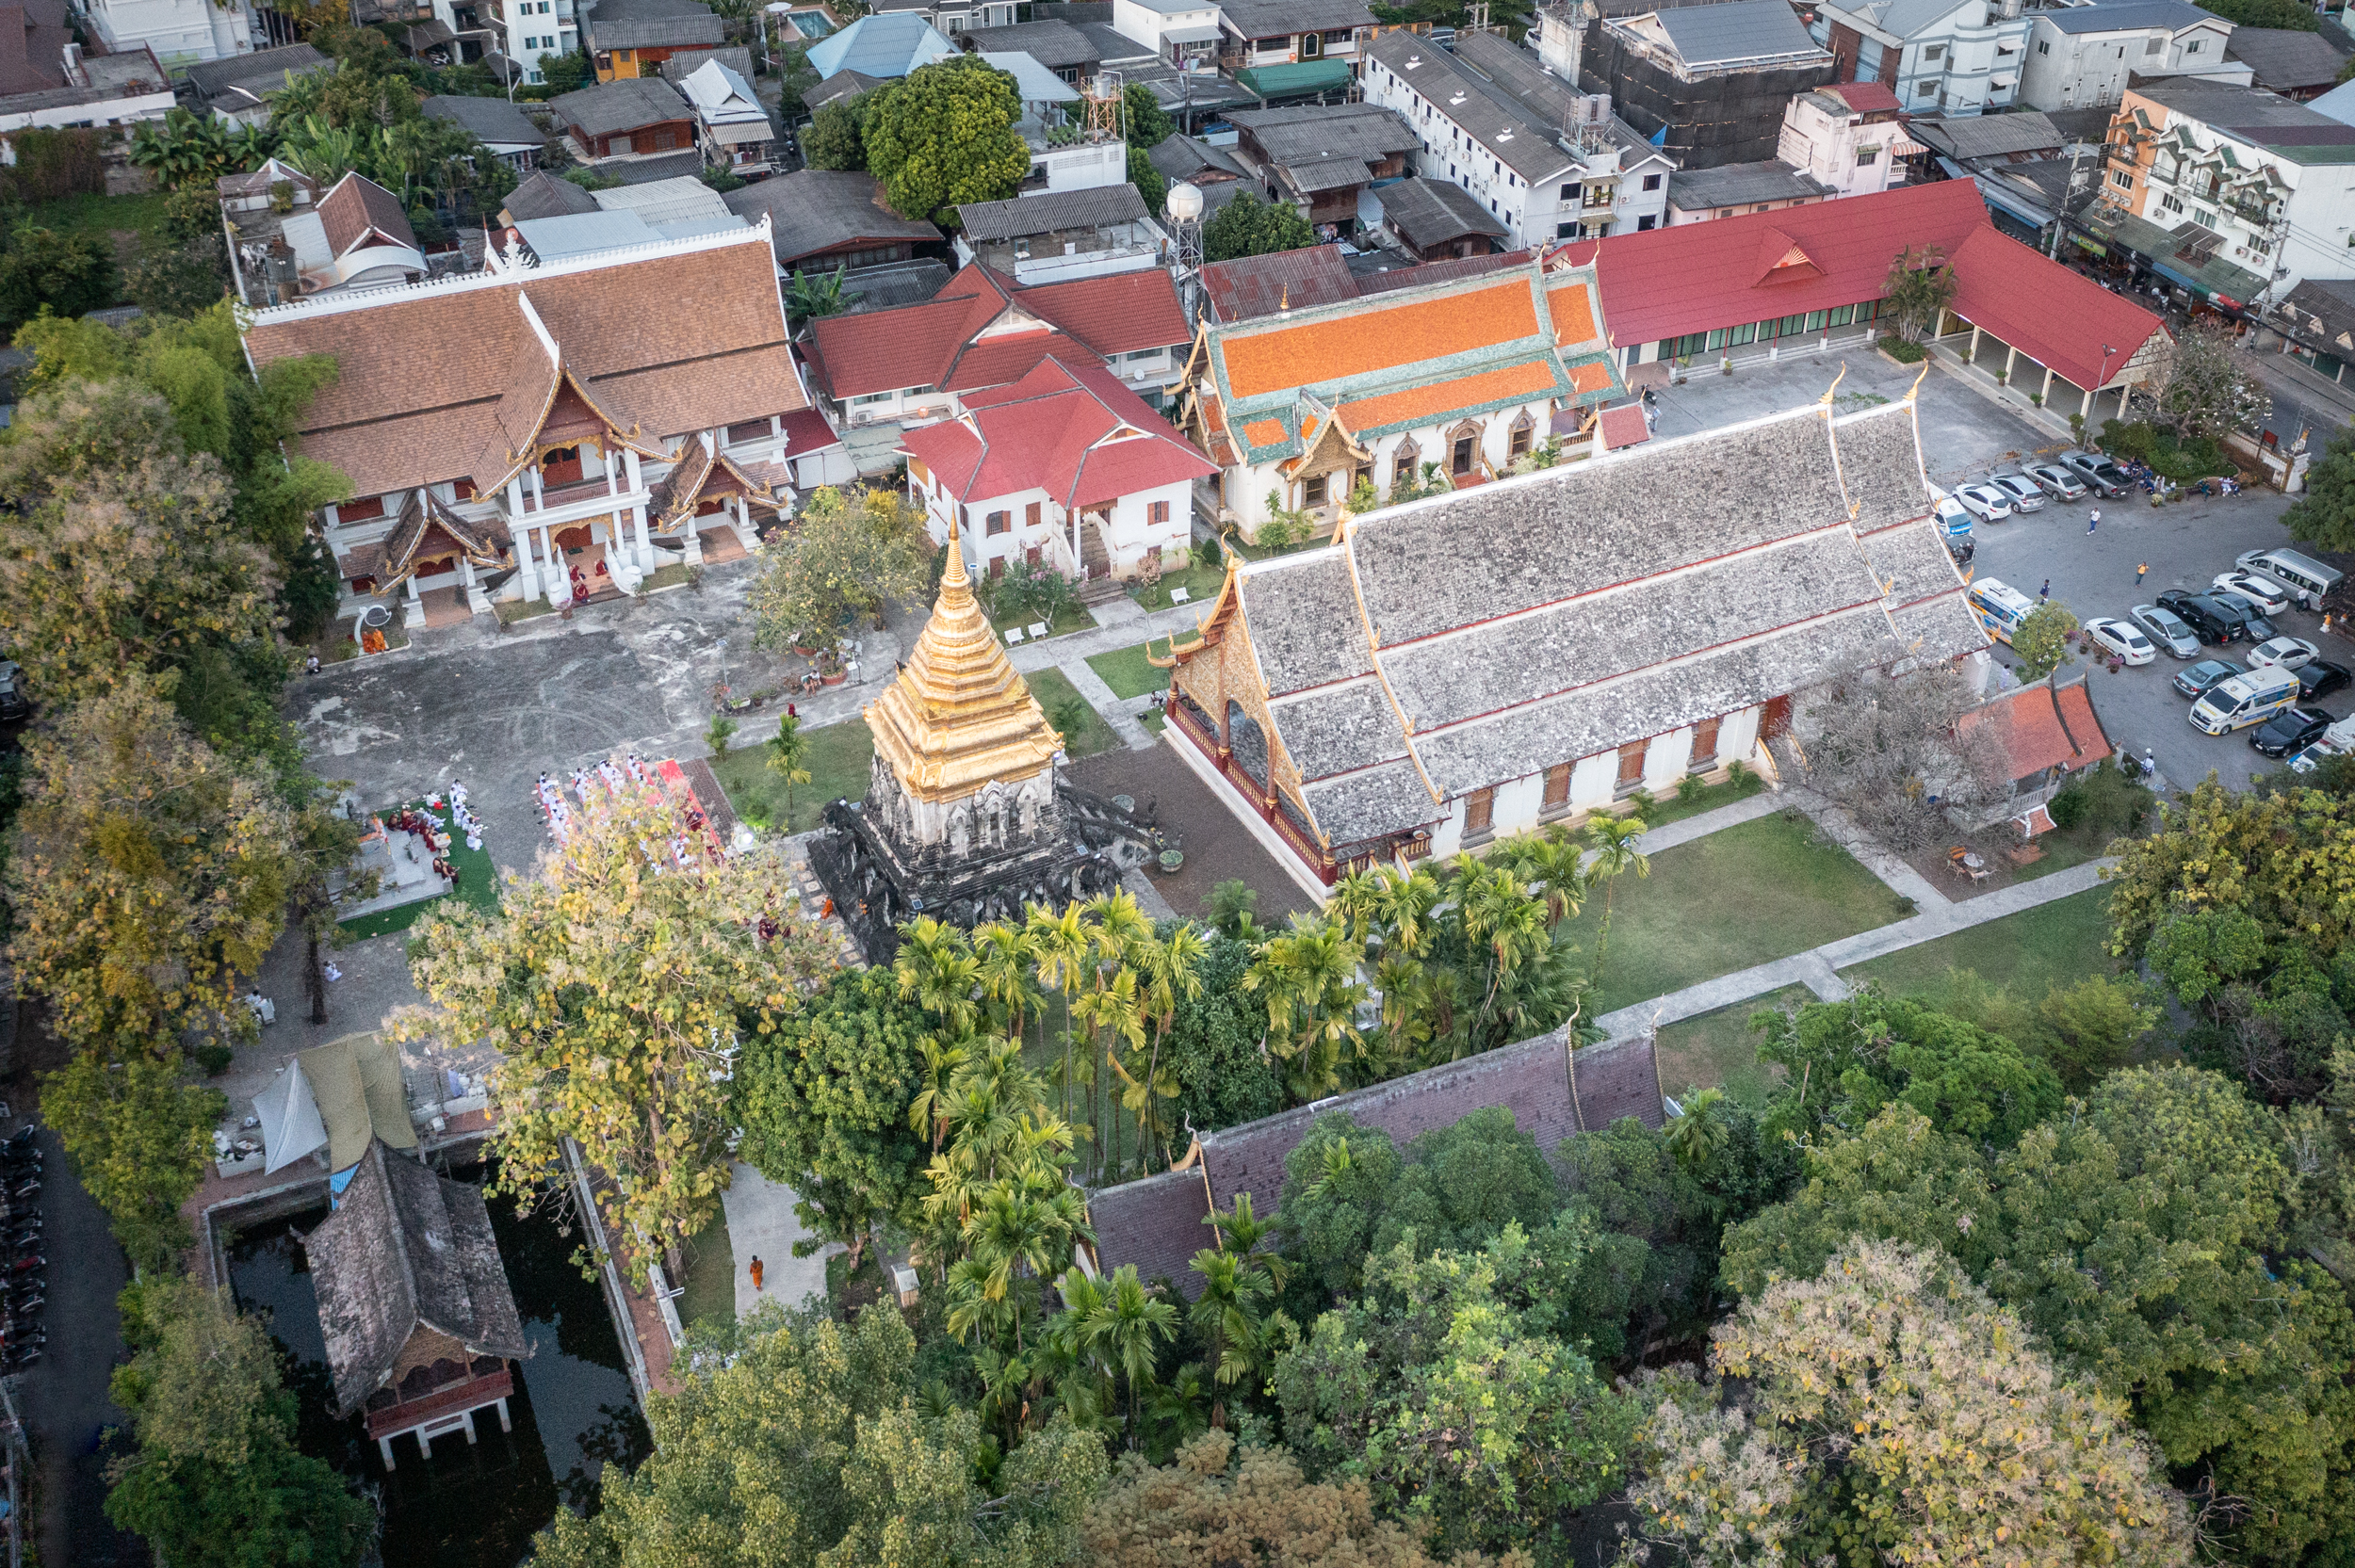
pixel 528 565
pixel 505 1425
pixel 384 1446
pixel 2010 357
pixel 693 555
pixel 2045 391
pixel 539 489
pixel 646 540
pixel 2085 404
pixel 1973 355
pixel 559 585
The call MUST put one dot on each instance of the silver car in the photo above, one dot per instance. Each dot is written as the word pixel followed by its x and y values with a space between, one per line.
pixel 2026 495
pixel 2167 629
pixel 2057 483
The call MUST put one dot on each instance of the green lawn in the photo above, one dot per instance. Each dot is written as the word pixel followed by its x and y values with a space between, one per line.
pixel 101 214
pixel 1055 694
pixel 1753 892
pixel 2061 942
pixel 710 1282
pixel 1071 618
pixel 478 884
pixel 1128 673
pixel 838 760
pixel 1670 808
pixel 1200 583
pixel 1718 1051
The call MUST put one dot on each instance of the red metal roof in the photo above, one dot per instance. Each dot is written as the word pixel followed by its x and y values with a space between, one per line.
pixel 938 343
pixel 1864 97
pixel 807 431
pixel 2043 728
pixel 1624 425
pixel 1696 277
pixel 1052 430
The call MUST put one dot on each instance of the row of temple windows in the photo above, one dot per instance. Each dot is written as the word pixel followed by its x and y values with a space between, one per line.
pixel 561 465
pixel 1799 325
pixel 1480 805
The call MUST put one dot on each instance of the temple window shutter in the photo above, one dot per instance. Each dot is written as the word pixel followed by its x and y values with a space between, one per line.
pixel 1479 809
pixel 1558 785
pixel 1632 763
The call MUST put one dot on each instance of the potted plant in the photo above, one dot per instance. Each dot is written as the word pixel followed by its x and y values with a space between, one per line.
pixel 830 671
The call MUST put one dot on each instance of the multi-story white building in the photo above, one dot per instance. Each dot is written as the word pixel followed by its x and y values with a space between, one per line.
pixel 1846 136
pixel 180 31
pixel 2235 179
pixel 2081 56
pixel 1953 57
pixel 1547 162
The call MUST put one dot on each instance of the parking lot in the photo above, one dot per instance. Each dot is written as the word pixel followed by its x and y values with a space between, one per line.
pixel 2185 546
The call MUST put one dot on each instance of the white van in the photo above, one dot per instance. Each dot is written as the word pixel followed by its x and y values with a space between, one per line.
pixel 2001 608
pixel 2306 578
pixel 2245 700
pixel 1952 521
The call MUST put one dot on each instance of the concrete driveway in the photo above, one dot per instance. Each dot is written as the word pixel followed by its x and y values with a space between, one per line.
pixel 496 708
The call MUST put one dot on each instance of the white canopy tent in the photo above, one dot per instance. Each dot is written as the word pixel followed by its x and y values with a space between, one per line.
pixel 291 1124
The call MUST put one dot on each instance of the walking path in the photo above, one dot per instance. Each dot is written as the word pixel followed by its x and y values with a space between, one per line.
pixel 1817 968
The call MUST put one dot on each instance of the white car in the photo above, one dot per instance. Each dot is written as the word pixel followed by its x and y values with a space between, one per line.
pixel 2287 651
pixel 2125 641
pixel 2057 481
pixel 2167 630
pixel 2022 491
pixel 1985 502
pixel 2269 597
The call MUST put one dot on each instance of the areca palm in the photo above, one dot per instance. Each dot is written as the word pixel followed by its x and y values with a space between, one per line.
pixel 1174 973
pixel 1122 933
pixel 1500 916
pixel 1556 861
pixel 1111 1012
pixel 1308 976
pixel 1003 961
pixel 1231 1318
pixel 1124 1327
pixel 1358 899
pixel 1613 840
pixel 1059 945
pixel 789 759
pixel 935 966
pixel 930 1104
pixel 1700 1132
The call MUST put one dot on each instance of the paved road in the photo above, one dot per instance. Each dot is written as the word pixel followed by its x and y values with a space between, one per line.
pixel 63 1396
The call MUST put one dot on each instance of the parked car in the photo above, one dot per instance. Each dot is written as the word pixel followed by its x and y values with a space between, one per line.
pixel 2287 651
pixel 2253 625
pixel 2124 640
pixel 2269 597
pixel 2167 629
pixel 1985 502
pixel 2320 677
pixel 13 704
pixel 2194 680
pixel 2057 483
pixel 2291 729
pixel 2102 477
pixel 2313 756
pixel 2207 618
pixel 2024 493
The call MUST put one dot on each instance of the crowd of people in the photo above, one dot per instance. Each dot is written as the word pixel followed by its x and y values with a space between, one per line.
pixel 696 837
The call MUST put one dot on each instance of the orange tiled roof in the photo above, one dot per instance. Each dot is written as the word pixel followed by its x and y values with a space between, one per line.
pixel 1421 402
pixel 1573 310
pixel 1361 341
pixel 1594 375
pixel 2041 728
pixel 1265 432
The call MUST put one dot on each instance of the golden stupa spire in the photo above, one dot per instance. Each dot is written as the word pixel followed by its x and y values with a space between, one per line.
pixel 958 715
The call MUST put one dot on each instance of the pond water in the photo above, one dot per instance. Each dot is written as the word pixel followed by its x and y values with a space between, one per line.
pixel 574 1409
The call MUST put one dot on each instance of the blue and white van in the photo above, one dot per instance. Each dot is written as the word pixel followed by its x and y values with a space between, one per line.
pixel 2000 607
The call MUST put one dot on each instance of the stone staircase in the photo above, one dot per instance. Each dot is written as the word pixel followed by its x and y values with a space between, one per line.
pixel 1100 586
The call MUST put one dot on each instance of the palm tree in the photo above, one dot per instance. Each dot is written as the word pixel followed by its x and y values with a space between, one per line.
pixel 941 1063
pixel 1358 899
pixel 1499 915
pixel 1699 1134
pixel 1111 1012
pixel 935 966
pixel 788 757
pixel 1059 945
pixel 1174 968
pixel 1614 839
pixel 1124 1326
pixel 1405 910
pixel 1556 861
pixel 1309 978
pixel 1229 1318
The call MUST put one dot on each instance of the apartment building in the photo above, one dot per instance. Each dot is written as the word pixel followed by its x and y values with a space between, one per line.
pixel 1953 57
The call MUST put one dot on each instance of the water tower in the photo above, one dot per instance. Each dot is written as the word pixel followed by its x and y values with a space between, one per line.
pixel 1184 203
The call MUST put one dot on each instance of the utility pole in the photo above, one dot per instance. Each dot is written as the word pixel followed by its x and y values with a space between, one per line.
pixel 2060 219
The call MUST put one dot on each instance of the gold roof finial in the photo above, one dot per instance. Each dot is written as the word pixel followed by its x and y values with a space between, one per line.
pixel 1284 302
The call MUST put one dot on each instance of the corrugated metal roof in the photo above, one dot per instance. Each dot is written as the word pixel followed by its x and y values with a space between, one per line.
pixel 1736 31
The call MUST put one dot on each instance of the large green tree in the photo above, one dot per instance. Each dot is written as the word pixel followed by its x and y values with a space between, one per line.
pixel 837 138
pixel 1247 226
pixel 944 136
pixel 824 1098
pixel 847 558
pixel 2324 514
pixel 1444 1386
pixel 809 1445
pixel 2142 1236
pixel 620 992
pixel 1854 1056
pixel 1891 1413
pixel 216 1480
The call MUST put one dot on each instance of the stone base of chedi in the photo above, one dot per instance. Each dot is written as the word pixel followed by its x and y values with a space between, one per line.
pixel 964 820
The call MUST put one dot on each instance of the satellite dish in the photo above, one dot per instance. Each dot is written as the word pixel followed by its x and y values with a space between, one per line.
pixel 1185 201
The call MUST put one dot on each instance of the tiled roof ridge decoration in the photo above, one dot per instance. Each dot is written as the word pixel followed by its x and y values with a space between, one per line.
pixel 330 304
pixel 422 510
pixel 1555 1094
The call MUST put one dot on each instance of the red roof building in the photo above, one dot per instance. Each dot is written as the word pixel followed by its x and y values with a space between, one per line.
pixel 1803 276
pixel 984 330
pixel 1065 468
pixel 2047 732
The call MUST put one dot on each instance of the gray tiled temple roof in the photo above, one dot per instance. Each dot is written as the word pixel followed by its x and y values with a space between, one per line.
pixel 1337 728
pixel 1536 620
pixel 1304 622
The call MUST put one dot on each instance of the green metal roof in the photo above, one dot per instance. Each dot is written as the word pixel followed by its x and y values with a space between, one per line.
pixel 1294 81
